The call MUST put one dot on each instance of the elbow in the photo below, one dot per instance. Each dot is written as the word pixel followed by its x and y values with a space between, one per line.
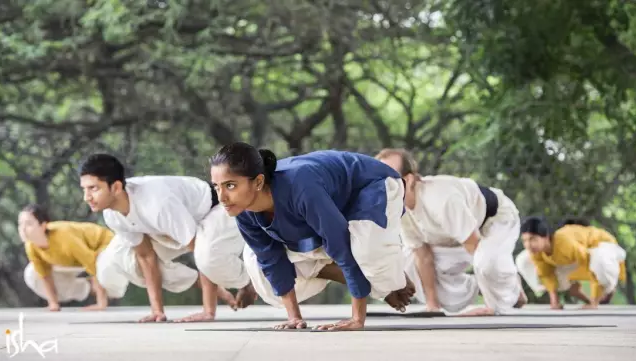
pixel 146 257
pixel 425 255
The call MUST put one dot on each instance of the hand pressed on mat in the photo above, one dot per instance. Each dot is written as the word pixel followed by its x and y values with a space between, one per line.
pixel 359 310
pixel 295 319
pixel 197 317
pixel 154 317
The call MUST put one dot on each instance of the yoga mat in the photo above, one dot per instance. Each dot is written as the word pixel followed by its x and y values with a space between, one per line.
pixel 251 319
pixel 569 313
pixel 423 314
pixel 493 326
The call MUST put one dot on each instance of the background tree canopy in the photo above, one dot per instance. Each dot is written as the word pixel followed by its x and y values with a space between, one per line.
pixel 536 98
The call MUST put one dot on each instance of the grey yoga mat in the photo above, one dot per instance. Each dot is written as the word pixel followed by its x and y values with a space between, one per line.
pixel 493 326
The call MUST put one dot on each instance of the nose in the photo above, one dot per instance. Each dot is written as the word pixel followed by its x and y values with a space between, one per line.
pixel 223 197
pixel 87 197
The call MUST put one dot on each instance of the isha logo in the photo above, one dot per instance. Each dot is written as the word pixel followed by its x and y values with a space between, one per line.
pixel 17 344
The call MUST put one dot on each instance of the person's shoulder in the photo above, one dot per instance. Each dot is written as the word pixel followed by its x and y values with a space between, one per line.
pixel 246 218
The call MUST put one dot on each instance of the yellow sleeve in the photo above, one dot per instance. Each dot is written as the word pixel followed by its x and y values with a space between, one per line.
pixel 41 267
pixel 546 273
pixel 79 250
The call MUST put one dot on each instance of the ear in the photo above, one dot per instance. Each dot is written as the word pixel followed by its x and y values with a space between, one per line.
pixel 260 181
pixel 410 180
pixel 117 187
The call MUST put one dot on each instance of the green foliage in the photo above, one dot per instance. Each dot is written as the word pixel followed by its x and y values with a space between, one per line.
pixel 534 98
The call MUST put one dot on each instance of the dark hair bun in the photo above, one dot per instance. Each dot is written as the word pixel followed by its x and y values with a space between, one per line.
pixel 269 162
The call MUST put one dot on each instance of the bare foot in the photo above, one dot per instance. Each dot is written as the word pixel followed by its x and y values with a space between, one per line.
pixel 556 307
pixel 95 307
pixel 291 324
pixel 394 300
pixel 481 311
pixel 246 296
pixel 197 317
pixel 522 301
pixel 591 306
pixel 607 299
pixel 155 317
pixel 350 324
pixel 227 297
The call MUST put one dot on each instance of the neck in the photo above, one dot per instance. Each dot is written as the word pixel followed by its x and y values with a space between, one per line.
pixel 121 204
pixel 264 202
pixel 548 250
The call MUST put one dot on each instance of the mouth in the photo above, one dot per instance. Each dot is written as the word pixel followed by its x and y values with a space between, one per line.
pixel 228 206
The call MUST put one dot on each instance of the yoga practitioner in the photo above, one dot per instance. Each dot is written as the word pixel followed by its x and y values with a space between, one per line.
pixel 159 218
pixel 59 251
pixel 326 215
pixel 576 251
pixel 450 224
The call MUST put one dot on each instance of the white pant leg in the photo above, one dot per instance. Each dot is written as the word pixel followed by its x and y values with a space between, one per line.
pixel 493 262
pixel 176 277
pixel 605 264
pixel 377 250
pixel 528 271
pixel 68 286
pixel 109 274
pixel 455 288
pixel 307 266
pixel 217 250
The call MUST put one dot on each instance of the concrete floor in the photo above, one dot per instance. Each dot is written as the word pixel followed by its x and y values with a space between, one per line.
pixel 88 336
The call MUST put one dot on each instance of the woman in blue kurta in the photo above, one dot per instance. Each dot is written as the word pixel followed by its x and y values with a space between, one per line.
pixel 326 215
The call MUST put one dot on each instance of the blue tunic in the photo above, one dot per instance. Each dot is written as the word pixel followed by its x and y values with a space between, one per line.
pixel 315 196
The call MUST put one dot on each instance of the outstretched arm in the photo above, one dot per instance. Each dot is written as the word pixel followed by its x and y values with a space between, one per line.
pixel 44 270
pixel 276 266
pixel 149 265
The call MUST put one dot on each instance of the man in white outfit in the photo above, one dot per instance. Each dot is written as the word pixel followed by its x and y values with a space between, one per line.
pixel 451 223
pixel 159 218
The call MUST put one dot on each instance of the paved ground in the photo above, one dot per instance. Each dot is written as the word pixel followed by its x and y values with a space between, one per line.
pixel 104 336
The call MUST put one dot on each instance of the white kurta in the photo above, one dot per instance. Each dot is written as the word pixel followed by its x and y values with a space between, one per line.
pixel 448 209
pixel 173 210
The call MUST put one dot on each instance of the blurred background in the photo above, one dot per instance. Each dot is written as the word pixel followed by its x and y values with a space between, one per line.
pixel 536 98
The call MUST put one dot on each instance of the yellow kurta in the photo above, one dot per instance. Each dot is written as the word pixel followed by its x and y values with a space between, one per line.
pixel 570 245
pixel 71 244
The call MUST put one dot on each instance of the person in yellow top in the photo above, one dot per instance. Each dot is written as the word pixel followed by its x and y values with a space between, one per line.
pixel 59 251
pixel 574 252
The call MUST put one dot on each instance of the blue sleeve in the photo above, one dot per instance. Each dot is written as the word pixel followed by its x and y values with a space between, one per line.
pixel 271 256
pixel 324 217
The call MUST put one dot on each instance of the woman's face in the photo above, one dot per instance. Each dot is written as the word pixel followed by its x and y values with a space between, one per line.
pixel 236 193
pixel 535 243
pixel 30 229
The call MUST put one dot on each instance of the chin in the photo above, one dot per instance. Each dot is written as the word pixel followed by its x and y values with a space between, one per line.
pixel 233 211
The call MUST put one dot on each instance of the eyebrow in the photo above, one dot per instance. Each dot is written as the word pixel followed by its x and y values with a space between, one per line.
pixel 226 182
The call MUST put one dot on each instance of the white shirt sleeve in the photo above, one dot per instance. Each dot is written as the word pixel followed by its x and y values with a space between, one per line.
pixel 457 219
pixel 175 221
